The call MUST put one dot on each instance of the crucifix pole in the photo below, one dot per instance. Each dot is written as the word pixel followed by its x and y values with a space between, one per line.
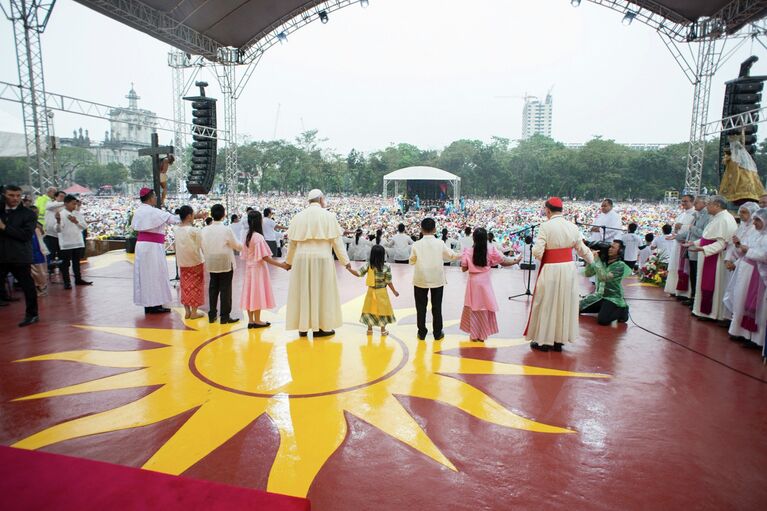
pixel 154 151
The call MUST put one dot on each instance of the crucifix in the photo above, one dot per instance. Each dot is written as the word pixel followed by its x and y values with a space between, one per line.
pixel 154 151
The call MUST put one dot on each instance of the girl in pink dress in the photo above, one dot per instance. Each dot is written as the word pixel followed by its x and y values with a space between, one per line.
pixel 480 306
pixel 256 286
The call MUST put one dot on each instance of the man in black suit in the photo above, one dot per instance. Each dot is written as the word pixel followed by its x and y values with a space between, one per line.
pixel 17 226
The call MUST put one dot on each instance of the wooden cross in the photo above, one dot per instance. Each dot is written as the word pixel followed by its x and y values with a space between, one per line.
pixel 154 151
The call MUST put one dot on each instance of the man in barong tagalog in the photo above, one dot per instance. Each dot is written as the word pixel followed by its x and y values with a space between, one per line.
pixel 314 303
pixel 711 281
pixel 553 317
pixel 740 181
pixel 151 282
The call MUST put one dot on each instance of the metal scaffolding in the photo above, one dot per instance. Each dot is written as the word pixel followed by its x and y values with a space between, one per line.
pixel 14 92
pixel 699 63
pixel 227 82
pixel 30 17
pixel 706 64
pixel 178 61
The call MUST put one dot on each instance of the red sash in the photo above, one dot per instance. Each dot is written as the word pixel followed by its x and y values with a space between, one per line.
pixel 754 297
pixel 550 256
pixel 683 271
pixel 708 279
pixel 151 237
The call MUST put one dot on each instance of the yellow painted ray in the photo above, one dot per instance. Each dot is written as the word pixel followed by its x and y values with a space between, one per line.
pixel 463 365
pixel 381 409
pixel 471 400
pixel 164 403
pixel 492 342
pixel 167 336
pixel 221 417
pixel 310 432
pixel 140 358
pixel 132 379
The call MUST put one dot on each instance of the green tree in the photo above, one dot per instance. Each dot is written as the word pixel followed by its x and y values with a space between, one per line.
pixel 13 171
pixel 141 169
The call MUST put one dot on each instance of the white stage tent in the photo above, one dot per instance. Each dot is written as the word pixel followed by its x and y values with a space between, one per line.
pixel 422 174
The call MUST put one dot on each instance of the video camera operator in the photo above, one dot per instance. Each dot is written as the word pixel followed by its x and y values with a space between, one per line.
pixel 609 270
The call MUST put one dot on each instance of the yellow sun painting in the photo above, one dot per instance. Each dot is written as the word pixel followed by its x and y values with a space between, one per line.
pixel 232 375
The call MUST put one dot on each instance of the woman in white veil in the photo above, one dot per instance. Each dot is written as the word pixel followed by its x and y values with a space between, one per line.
pixel 734 255
pixel 747 296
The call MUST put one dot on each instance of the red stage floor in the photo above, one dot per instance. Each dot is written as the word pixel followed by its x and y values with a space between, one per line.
pixel 621 420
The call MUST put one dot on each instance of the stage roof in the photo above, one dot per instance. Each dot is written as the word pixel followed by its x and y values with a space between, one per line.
pixel 202 27
pixel 420 174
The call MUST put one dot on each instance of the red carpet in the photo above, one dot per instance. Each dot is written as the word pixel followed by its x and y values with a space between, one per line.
pixel 37 480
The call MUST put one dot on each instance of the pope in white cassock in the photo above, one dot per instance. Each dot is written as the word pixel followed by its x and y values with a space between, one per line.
pixel 711 281
pixel 313 299
pixel 678 280
pixel 554 313
pixel 151 282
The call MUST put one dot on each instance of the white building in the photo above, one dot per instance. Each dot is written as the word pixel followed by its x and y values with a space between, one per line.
pixel 536 117
pixel 129 131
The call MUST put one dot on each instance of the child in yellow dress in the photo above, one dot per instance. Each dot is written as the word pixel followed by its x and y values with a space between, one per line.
pixel 377 309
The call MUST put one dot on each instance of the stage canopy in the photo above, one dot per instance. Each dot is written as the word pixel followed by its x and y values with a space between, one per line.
pixel 249 27
pixel 422 174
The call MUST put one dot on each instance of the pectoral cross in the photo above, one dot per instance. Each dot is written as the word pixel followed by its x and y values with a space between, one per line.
pixel 154 151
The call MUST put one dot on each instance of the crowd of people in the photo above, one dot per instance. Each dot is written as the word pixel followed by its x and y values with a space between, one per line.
pixel 715 266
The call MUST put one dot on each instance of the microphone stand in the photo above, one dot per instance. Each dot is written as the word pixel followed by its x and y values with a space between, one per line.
pixel 529 270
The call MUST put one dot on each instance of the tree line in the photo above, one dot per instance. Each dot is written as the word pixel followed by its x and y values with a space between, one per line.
pixel 535 167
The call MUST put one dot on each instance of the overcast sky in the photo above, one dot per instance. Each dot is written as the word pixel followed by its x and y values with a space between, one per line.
pixel 426 72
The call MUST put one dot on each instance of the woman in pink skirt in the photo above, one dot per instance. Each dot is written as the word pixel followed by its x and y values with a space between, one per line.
pixel 256 286
pixel 480 306
pixel 190 263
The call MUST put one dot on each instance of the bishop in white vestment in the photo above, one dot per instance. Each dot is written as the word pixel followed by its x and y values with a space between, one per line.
pixel 151 281
pixel 711 281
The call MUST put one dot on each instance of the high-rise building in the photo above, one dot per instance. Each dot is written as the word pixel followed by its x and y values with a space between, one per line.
pixel 536 116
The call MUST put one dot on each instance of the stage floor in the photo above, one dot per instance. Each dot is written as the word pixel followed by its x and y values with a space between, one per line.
pixel 623 419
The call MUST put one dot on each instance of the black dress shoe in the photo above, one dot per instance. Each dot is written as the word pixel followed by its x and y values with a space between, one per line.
pixel 323 333
pixel 226 321
pixel 83 283
pixel 302 334
pixel 157 310
pixel 422 336
pixel 256 325
pixel 439 336
pixel 558 346
pixel 67 285
pixel 539 347
pixel 29 320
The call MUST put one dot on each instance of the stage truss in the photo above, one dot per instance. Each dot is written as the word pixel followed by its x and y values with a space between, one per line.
pixel 31 16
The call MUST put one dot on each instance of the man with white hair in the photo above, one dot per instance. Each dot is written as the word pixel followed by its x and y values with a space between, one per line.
pixel 313 299
pixel 763 201
pixel 711 281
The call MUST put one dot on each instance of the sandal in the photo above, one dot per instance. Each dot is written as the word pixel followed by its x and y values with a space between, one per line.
pixel 384 333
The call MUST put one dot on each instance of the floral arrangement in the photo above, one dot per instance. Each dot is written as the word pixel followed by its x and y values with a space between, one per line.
pixel 655 270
